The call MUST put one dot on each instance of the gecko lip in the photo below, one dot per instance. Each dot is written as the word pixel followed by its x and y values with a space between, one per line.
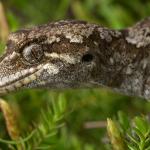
pixel 8 84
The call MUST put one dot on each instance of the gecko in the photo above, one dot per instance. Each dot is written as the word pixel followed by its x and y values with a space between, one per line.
pixel 77 54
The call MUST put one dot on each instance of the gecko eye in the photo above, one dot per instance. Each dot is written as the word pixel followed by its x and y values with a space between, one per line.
pixel 33 53
pixel 87 58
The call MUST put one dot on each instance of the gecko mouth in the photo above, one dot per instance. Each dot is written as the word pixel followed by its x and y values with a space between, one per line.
pixel 15 81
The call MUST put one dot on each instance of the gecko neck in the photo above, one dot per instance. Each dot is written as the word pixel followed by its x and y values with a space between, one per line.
pixel 127 68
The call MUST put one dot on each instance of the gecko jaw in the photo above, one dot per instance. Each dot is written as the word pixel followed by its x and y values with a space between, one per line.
pixel 20 81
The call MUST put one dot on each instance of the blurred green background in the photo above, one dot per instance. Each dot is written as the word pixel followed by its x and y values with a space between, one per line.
pixel 83 105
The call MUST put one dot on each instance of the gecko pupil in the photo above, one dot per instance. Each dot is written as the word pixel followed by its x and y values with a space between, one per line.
pixel 36 52
pixel 87 58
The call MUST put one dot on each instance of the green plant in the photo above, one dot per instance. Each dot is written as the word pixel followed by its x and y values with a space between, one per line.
pixel 44 136
pixel 129 134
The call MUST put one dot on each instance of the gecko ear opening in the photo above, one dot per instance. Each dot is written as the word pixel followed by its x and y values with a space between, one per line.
pixel 87 58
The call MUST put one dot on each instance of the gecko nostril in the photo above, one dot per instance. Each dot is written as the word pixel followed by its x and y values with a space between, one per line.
pixel 87 58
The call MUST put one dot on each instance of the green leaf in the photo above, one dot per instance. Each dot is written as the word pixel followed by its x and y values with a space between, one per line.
pixel 141 124
pixel 131 147
pixel 123 120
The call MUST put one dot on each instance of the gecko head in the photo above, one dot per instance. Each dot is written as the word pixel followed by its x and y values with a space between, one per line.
pixel 50 56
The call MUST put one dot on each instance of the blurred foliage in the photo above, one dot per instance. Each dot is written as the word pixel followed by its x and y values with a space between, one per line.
pixel 44 135
pixel 82 105
pixel 131 134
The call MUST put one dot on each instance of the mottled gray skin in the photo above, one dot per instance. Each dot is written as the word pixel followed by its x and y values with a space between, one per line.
pixel 76 54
